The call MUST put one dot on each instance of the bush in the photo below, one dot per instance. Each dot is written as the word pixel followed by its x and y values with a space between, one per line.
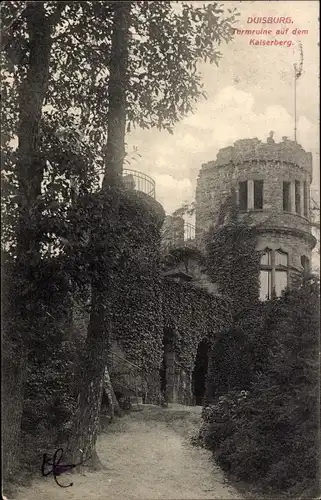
pixel 269 436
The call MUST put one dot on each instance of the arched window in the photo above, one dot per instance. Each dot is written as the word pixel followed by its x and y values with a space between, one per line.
pixel 274 273
pixel 281 259
pixel 266 259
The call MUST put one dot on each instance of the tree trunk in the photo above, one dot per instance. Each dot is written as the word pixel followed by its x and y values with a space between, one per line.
pixel 117 85
pixel 97 342
pixel 30 167
pixel 32 91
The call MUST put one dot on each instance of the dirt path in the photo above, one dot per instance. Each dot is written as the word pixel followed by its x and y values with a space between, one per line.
pixel 147 456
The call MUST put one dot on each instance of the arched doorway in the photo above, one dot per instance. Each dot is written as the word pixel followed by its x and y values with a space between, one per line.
pixel 200 372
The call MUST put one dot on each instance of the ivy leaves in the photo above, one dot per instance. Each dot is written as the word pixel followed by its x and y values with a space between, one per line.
pixel 233 263
pixel 191 315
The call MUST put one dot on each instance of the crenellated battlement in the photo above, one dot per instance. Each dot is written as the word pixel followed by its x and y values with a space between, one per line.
pixel 254 150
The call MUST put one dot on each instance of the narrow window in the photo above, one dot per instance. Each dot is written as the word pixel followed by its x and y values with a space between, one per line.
pixel 297 197
pixel 286 197
pixel 281 272
pixel 281 282
pixel 306 200
pixel 266 275
pixel 265 284
pixel 258 195
pixel 243 195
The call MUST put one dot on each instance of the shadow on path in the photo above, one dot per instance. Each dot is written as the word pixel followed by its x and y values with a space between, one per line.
pixel 147 455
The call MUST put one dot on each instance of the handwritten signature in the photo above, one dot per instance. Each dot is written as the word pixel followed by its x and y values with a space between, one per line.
pixel 56 468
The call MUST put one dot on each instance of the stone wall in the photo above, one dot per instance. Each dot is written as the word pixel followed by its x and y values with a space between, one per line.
pixel 199 277
pixel 253 149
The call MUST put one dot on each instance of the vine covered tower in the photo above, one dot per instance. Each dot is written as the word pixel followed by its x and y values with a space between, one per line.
pixel 272 184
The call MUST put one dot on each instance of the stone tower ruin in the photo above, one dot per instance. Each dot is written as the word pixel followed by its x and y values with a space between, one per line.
pixel 272 185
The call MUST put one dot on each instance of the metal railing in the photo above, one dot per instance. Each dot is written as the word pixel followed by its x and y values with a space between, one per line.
pixel 189 231
pixel 138 181
pixel 169 240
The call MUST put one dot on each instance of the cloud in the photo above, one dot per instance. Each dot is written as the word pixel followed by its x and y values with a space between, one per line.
pixel 171 192
pixel 230 114
pixel 249 94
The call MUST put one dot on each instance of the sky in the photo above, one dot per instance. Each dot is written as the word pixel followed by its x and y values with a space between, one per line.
pixel 249 94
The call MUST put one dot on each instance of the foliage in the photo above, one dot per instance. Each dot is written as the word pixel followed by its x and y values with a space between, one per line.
pixel 68 163
pixel 315 228
pixel 185 209
pixel 48 354
pixel 233 360
pixel 182 255
pixel 191 315
pixel 219 419
pixel 75 114
pixel 56 63
pixel 261 422
pixel 269 437
pixel 137 321
pixel 233 264
pixel 164 82
pixel 55 349
pixel 147 305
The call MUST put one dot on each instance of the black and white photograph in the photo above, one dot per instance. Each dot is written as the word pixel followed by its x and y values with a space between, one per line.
pixel 160 250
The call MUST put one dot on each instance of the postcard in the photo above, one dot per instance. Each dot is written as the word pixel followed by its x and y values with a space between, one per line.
pixel 160 171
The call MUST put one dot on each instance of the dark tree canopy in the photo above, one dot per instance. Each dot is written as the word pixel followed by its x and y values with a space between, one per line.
pixel 167 40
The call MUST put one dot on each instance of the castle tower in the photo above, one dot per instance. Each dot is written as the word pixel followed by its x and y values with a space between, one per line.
pixel 272 184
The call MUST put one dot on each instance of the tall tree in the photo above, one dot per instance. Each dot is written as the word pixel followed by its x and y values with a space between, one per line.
pixel 119 64
pixel 117 90
pixel 98 335
pixel 32 87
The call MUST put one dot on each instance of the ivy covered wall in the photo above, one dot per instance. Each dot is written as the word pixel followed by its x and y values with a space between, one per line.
pixel 137 323
pixel 191 315
pixel 150 309
pixel 234 264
